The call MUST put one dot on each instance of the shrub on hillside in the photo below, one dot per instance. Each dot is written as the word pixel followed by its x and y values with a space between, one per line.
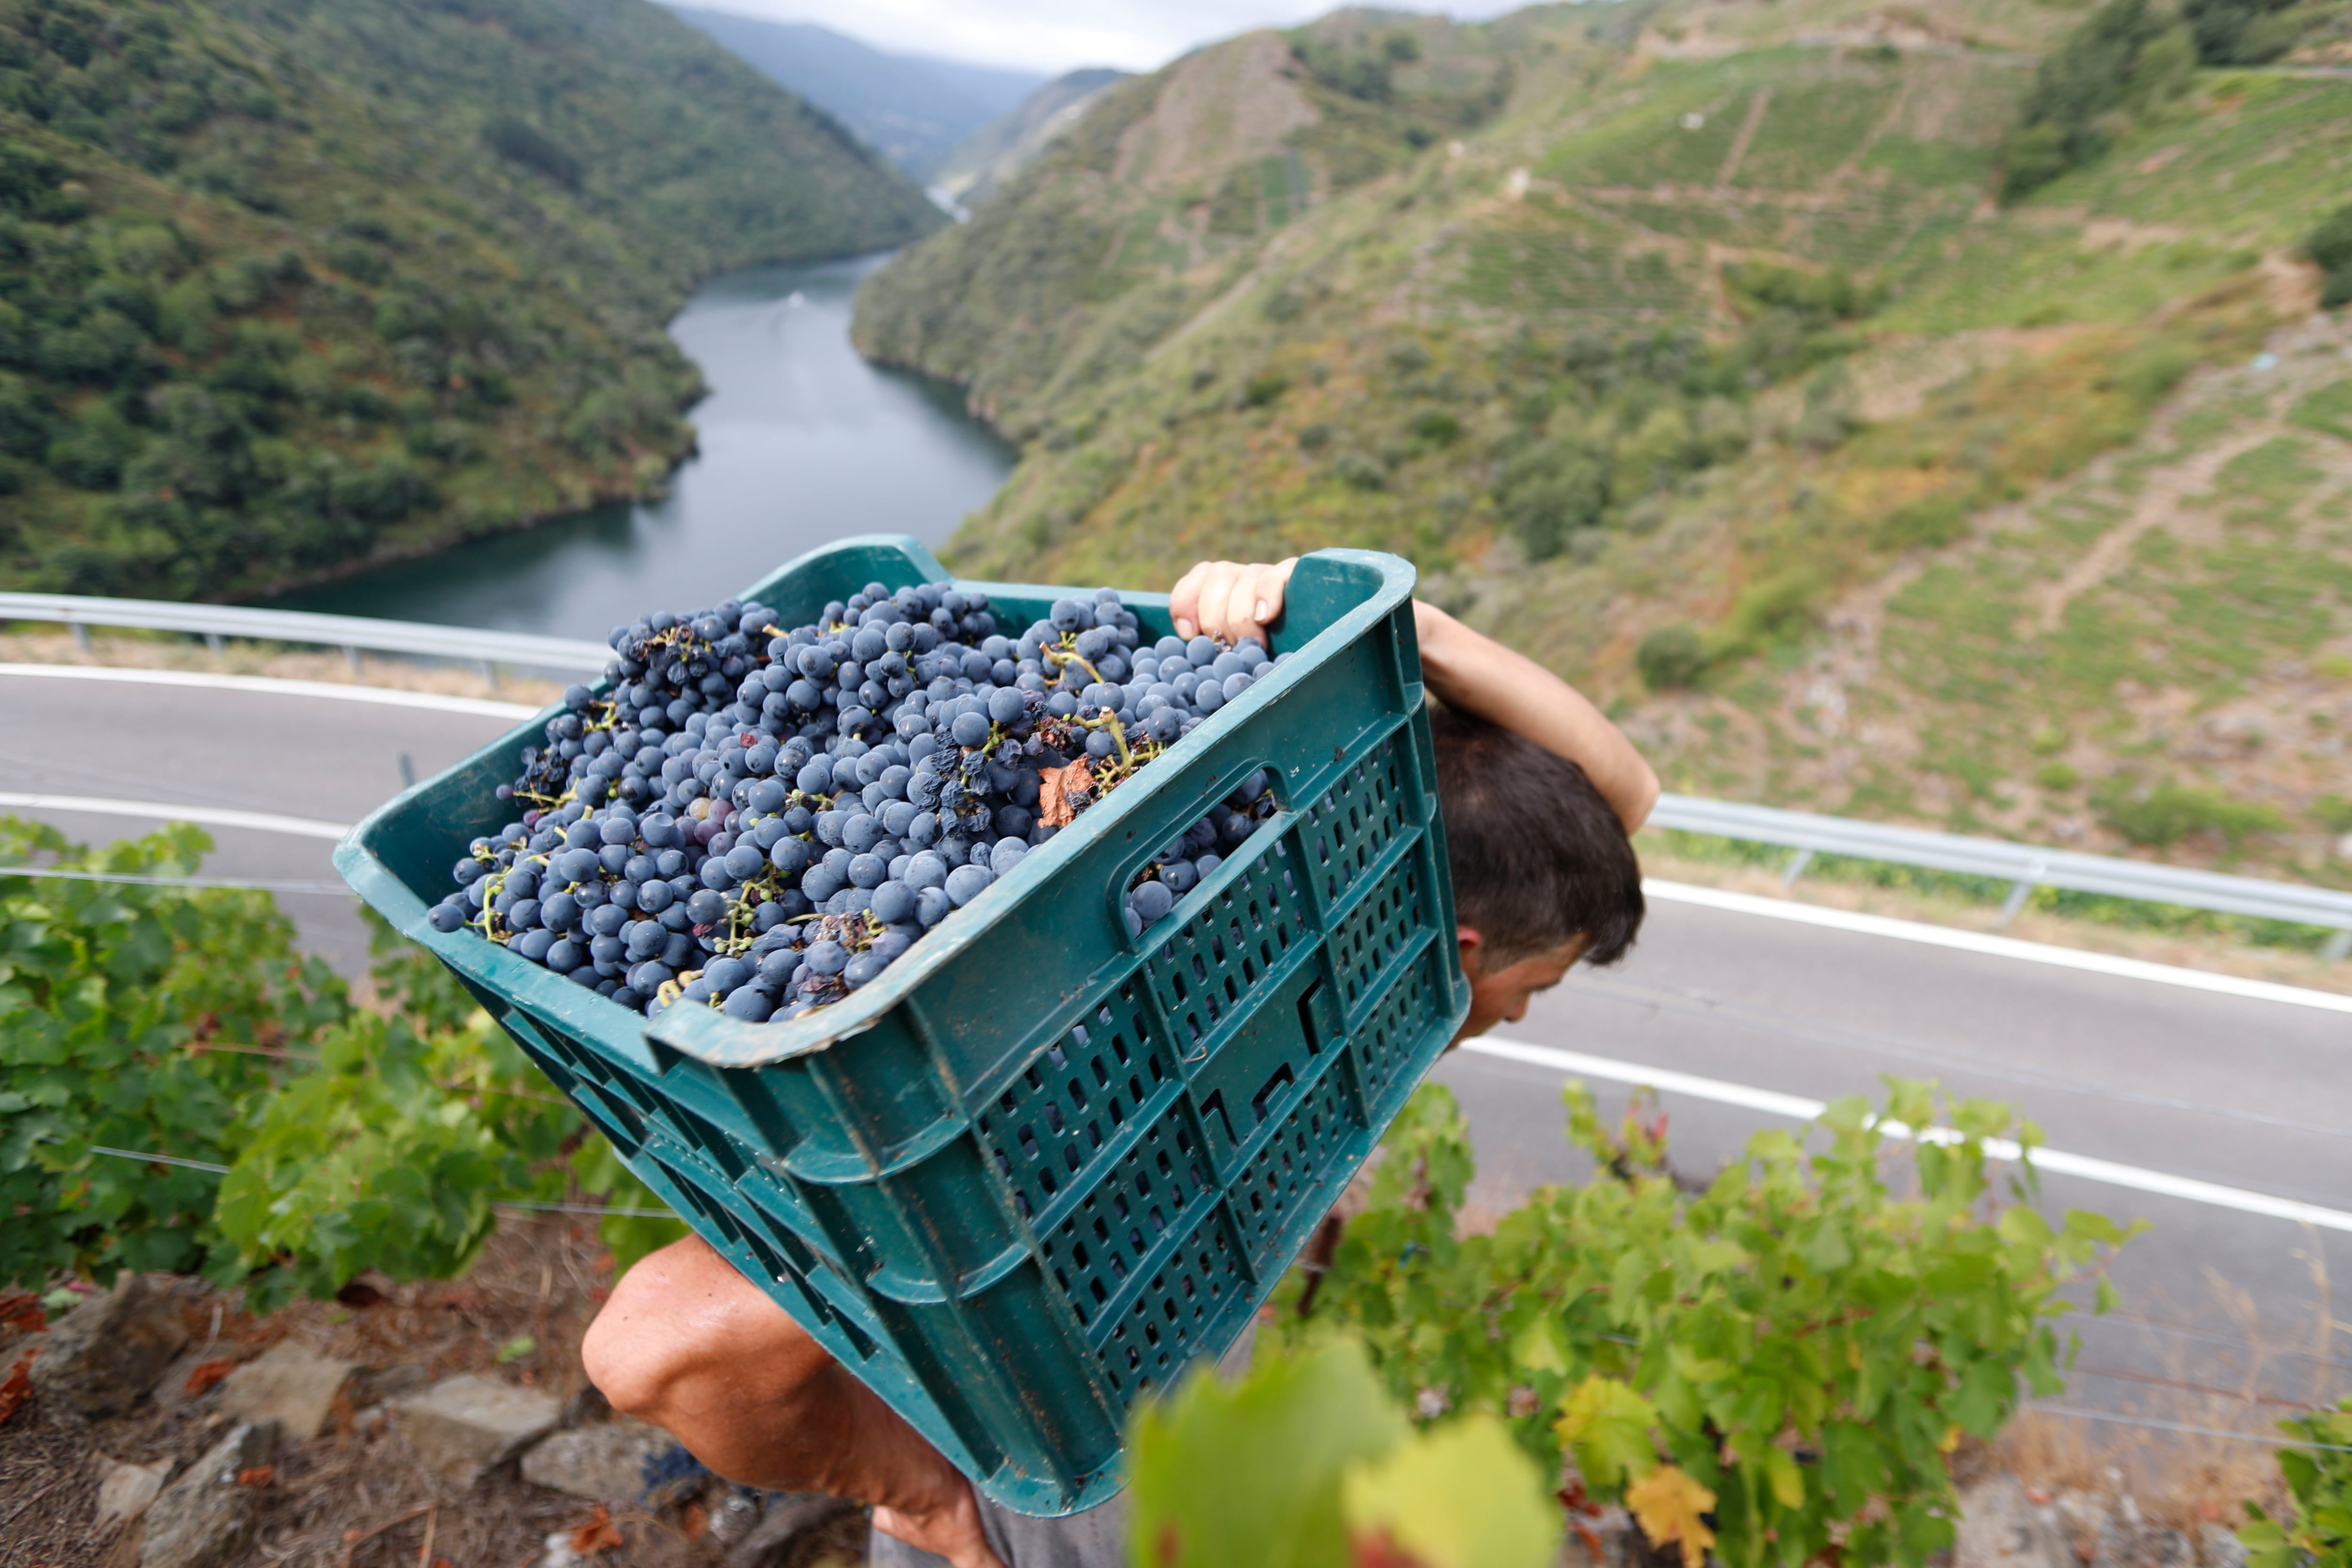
pixel 1780 1362
pixel 2159 818
pixel 132 1016
pixel 2314 1530
pixel 179 1021
pixel 2128 53
pixel 2242 32
pixel 519 141
pixel 1670 659
pixel 2330 245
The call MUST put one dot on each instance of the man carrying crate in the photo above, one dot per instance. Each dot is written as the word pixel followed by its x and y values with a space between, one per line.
pixel 1540 793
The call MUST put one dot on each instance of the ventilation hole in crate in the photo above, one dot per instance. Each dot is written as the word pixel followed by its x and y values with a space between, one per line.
pixel 1357 820
pixel 1162 1328
pixel 1029 1133
pixel 1376 932
pixel 617 1115
pixel 1095 1246
pixel 1278 1178
pixel 1396 1021
pixel 1204 969
pixel 619 1087
pixel 781 1269
pixel 712 1144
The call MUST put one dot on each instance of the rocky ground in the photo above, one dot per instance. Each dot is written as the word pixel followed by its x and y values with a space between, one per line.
pixel 158 1425
pixel 449 1426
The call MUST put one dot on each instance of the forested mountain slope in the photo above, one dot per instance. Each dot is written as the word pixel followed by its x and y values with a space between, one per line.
pixel 287 283
pixel 1863 401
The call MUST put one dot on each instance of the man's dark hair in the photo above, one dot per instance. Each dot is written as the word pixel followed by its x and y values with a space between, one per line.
pixel 1539 857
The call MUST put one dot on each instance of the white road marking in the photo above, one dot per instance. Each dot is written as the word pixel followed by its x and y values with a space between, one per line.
pixel 1995 946
pixel 203 815
pixel 1797 1108
pixel 475 706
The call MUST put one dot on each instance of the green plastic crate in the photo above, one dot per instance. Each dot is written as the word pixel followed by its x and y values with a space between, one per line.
pixel 1038 1167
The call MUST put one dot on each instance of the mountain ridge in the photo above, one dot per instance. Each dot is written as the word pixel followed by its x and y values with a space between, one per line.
pixel 913 108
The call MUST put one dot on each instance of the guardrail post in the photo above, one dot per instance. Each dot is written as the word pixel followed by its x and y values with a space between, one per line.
pixel 1796 868
pixel 81 635
pixel 2334 949
pixel 490 674
pixel 351 659
pixel 212 641
pixel 2019 891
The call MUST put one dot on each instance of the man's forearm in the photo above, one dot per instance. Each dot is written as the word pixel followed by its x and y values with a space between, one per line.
pixel 686 1343
pixel 1475 674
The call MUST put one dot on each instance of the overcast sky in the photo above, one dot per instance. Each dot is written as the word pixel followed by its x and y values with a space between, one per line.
pixel 1060 34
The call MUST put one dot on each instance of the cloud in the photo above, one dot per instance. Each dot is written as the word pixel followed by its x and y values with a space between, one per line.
pixel 1055 35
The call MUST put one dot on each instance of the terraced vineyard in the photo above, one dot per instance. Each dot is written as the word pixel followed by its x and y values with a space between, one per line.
pixel 1716 327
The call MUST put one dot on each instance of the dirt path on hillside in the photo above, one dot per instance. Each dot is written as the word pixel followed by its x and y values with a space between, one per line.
pixel 2161 494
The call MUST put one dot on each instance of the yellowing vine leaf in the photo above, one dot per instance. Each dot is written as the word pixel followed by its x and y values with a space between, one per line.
pixel 1667 1504
pixel 1462 1496
pixel 1607 1424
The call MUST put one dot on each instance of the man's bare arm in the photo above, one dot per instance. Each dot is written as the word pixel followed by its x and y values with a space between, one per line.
pixel 1467 671
pixel 689 1344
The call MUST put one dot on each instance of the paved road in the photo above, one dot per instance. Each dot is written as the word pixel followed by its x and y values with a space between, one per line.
pixel 257 750
pixel 2252 1094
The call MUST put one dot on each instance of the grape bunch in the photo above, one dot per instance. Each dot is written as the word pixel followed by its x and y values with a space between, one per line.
pixel 761 819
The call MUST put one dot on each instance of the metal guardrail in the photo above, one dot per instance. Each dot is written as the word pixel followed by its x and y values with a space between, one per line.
pixel 350 633
pixel 2024 867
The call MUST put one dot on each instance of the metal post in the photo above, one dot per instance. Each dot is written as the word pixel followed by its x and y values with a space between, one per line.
pixel 212 641
pixel 490 674
pixel 351 659
pixel 1796 868
pixel 2018 894
pixel 81 635
pixel 2334 949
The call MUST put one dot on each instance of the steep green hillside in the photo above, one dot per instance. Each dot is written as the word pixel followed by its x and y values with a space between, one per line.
pixel 286 284
pixel 1710 367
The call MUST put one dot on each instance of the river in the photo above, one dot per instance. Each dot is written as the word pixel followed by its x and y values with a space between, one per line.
pixel 801 442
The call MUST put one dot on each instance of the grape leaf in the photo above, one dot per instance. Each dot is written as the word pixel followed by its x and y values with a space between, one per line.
pixel 1668 1504
pixel 1607 1424
pixel 1247 1474
pixel 1461 1496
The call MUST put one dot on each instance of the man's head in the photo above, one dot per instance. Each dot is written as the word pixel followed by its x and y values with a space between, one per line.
pixel 1543 873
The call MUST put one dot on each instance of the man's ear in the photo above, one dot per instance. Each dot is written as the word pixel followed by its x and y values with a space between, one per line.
pixel 1469 940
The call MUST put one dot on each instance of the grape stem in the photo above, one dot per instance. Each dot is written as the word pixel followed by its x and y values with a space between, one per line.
pixel 1066 652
